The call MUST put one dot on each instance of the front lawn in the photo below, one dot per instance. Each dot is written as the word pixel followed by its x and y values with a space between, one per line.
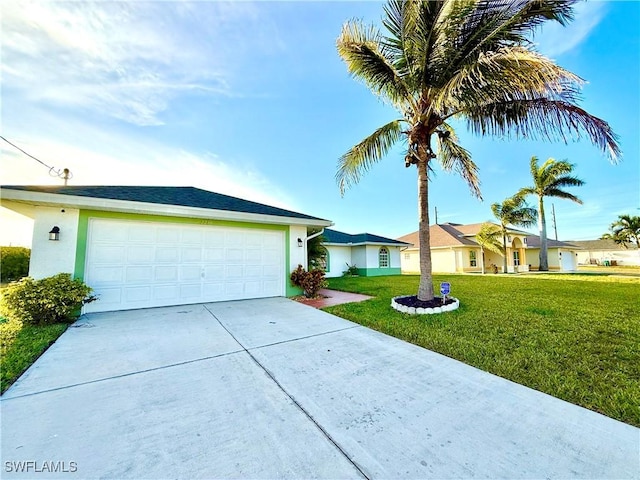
pixel 21 345
pixel 576 337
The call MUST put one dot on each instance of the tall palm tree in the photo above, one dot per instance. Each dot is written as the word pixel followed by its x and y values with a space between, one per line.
pixel 513 211
pixel 488 237
pixel 472 60
pixel 548 181
pixel 625 230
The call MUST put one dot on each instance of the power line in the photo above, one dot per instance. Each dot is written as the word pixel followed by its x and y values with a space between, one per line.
pixel 65 174
pixel 27 154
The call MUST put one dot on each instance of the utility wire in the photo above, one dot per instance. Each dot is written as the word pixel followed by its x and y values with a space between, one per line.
pixel 27 154
pixel 64 174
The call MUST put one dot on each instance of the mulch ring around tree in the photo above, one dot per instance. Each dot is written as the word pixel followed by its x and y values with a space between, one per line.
pixel 412 301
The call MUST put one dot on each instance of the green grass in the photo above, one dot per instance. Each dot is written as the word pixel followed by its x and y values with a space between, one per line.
pixel 576 337
pixel 21 345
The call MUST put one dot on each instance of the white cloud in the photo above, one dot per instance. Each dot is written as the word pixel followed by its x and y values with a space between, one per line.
pixel 127 60
pixel 554 39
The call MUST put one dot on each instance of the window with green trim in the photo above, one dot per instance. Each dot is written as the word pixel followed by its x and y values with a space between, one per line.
pixel 383 257
pixel 473 259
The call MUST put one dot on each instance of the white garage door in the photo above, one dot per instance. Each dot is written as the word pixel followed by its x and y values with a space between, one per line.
pixel 138 265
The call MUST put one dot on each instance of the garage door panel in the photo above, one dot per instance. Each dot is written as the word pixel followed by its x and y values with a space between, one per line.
pixel 166 292
pixel 213 291
pixel 271 288
pixel 234 238
pixel 190 273
pixel 253 289
pixel 109 296
pixel 234 255
pixel 167 254
pixel 191 291
pixel 233 272
pixel 139 274
pixel 140 294
pixel 108 253
pixel 104 275
pixel 166 274
pixel 213 272
pixel 192 236
pixel 214 254
pixel 135 265
pixel 253 255
pixel 142 233
pixel 167 235
pixel 140 254
pixel 253 271
pixel 234 290
pixel 191 254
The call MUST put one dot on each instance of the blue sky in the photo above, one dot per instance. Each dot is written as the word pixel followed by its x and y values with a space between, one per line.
pixel 252 100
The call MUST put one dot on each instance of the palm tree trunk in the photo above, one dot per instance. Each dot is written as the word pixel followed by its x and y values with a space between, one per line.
pixel 482 258
pixel 504 244
pixel 425 290
pixel 542 225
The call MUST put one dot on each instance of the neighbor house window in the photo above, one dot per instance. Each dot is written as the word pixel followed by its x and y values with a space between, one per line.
pixel 516 258
pixel 407 256
pixel 324 262
pixel 472 258
pixel 383 257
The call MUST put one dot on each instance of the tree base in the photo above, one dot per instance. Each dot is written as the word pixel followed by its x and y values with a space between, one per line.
pixel 411 305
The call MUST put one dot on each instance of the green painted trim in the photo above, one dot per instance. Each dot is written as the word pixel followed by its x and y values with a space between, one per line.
pixel 83 232
pixel 378 272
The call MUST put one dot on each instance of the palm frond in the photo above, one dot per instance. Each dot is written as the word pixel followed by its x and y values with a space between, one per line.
pixel 362 156
pixel 510 73
pixel 360 48
pixel 454 157
pixel 558 193
pixel 541 118
pixel 475 27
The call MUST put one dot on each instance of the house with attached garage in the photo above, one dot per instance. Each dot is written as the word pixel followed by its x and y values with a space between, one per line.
pixel 454 249
pixel 372 255
pixel 140 246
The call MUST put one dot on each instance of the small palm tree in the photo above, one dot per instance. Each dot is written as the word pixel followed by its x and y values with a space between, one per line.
pixel 548 181
pixel 488 237
pixel 513 211
pixel 625 230
pixel 446 60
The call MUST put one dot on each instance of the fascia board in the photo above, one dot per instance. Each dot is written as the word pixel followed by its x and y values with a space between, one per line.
pixel 126 206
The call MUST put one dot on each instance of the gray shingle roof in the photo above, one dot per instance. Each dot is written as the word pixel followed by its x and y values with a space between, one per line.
pixel 182 196
pixel 334 236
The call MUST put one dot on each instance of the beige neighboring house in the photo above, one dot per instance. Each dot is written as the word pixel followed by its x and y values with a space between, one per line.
pixel 454 250
pixel 606 252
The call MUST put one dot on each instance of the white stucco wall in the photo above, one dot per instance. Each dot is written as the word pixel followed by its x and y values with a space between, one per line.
pixel 297 255
pixel 359 256
pixel 339 256
pixel 51 257
pixel 410 261
pixel 443 261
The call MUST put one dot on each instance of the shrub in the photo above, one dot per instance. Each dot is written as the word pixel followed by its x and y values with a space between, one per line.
pixel 311 282
pixel 42 302
pixel 351 271
pixel 14 263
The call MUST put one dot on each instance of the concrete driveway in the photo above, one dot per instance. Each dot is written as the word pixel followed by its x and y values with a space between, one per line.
pixel 275 389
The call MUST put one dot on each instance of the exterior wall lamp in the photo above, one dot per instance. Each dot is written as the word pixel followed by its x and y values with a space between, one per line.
pixel 299 242
pixel 54 234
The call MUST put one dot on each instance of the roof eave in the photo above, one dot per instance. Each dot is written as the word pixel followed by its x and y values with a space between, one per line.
pixel 127 206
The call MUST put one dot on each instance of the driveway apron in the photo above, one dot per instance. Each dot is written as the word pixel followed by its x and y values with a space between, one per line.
pixel 271 388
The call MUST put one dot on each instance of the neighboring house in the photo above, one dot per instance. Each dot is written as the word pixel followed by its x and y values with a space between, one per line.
pixel 371 254
pixel 454 249
pixel 603 252
pixel 141 247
